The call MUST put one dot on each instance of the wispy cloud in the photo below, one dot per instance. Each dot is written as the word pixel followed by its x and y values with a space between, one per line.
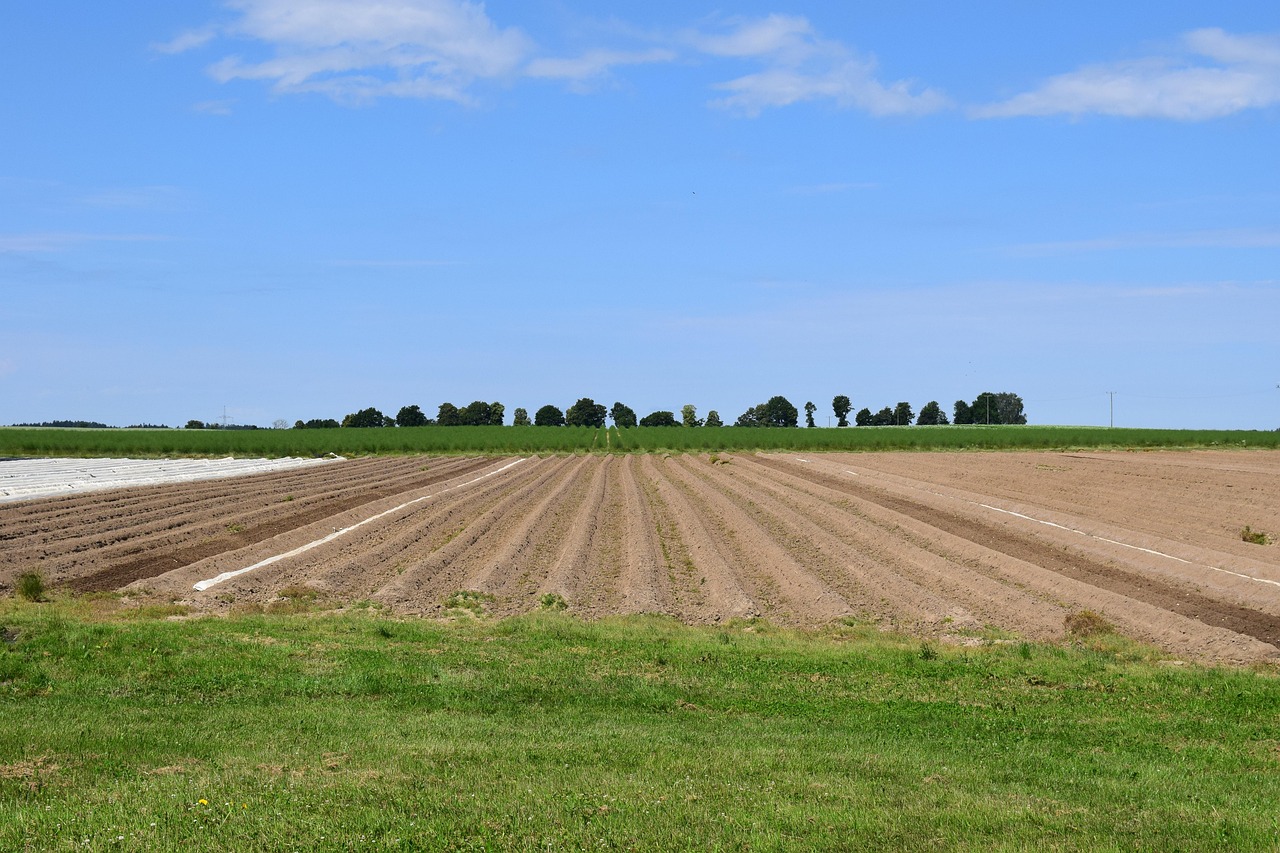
pixel 357 52
pixel 800 65
pixel 393 264
pixel 214 108
pixel 154 197
pixel 1225 238
pixel 594 64
pixel 1216 74
pixel 61 241
pixel 188 40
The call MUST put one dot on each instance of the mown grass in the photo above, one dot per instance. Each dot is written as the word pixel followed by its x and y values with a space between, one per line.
pixel 354 730
pixel 515 440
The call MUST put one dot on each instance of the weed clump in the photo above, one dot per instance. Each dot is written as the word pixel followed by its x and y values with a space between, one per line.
pixel 1086 623
pixel 554 601
pixel 31 586
pixel 1257 537
pixel 470 601
pixel 295 598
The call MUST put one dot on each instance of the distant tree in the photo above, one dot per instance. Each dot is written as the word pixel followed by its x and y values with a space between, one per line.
pixel 586 412
pixel 689 415
pixel 780 413
pixel 279 423
pixel 388 421
pixel 497 412
pixel 200 424
pixel 411 416
pixel 365 418
pixel 841 406
pixel 752 417
pixel 475 413
pixel 863 418
pixel 317 423
pixel 809 409
pixel 548 415
pixel 884 417
pixel 520 418
pixel 655 419
pixel 713 419
pixel 624 417
pixel 448 415
pixel 902 414
pixel 962 414
pixel 1010 407
pixel 296 424
pixel 931 414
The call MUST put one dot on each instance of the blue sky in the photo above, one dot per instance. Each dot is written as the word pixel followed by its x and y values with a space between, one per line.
pixel 301 209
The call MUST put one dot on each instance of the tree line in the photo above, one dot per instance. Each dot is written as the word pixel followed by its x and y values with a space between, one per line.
pixel 777 411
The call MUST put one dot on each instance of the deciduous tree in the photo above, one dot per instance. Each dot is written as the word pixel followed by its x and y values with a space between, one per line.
pixel 548 415
pixel 655 419
pixel 809 409
pixel 713 419
pixel 624 417
pixel 586 412
pixel 475 413
pixel 411 416
pixel 841 406
pixel 931 414
pixel 365 418
pixel 448 415
pixel 902 414
pixel 864 417
pixel 689 415
pixel 520 417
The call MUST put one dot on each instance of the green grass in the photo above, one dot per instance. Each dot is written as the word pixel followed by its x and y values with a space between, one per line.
pixel 345 731
pixel 518 440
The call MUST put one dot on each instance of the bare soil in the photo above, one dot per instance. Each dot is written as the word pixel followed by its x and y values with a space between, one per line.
pixel 962 547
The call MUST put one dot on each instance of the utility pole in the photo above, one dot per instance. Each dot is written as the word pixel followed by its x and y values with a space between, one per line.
pixel 1112 395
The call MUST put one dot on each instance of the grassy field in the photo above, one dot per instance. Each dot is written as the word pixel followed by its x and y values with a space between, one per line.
pixel 513 440
pixel 123 730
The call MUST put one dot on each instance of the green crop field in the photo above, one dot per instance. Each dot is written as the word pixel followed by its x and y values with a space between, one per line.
pixel 514 440
pixel 122 729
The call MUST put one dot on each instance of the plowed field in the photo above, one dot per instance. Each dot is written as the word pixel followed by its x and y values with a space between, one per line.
pixel 957 546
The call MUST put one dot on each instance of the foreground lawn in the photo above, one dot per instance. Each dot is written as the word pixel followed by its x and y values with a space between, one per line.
pixel 353 731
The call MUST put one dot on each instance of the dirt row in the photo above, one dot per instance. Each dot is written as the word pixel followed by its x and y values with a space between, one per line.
pixel 962 547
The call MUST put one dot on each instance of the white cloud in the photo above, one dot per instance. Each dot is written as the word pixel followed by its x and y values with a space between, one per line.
pixel 359 51
pixel 186 41
pixel 1219 74
pixel 800 65
pixel 785 37
pixel 594 63
pixel 214 108
pixel 356 51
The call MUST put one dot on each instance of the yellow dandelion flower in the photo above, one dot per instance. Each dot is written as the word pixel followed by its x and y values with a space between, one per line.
pixel 204 802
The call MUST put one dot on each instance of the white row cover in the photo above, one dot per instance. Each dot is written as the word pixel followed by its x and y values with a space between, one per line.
pixel 26 479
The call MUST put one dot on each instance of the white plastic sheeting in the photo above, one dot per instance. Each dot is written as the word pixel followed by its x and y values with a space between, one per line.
pixel 26 479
